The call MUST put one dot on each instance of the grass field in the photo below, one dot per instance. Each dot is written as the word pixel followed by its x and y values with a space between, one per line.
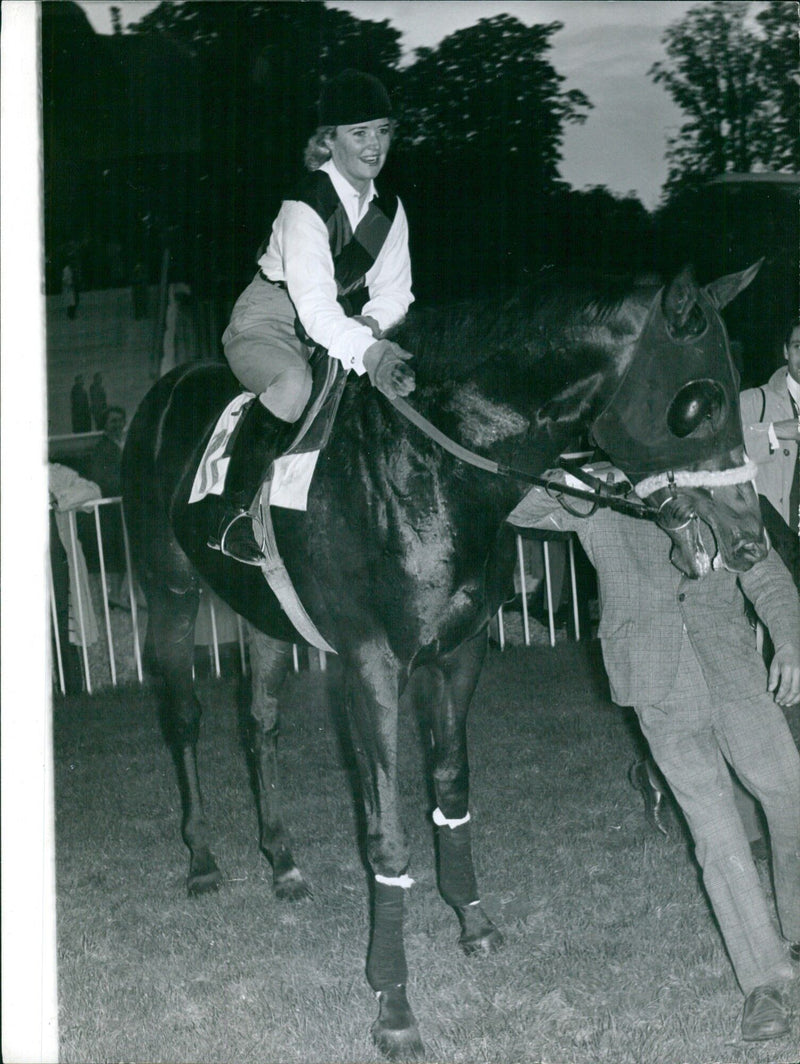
pixel 611 953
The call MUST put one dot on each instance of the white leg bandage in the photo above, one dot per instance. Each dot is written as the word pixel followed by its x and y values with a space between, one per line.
pixel 440 820
pixel 395 881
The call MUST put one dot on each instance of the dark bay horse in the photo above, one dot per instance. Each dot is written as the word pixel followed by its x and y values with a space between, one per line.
pixel 403 555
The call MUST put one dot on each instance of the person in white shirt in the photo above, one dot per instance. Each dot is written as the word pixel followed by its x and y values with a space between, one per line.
pixel 336 274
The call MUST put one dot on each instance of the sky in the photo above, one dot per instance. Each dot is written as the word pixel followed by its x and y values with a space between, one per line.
pixel 605 49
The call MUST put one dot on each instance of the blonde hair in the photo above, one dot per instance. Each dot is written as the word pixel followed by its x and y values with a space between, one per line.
pixel 317 151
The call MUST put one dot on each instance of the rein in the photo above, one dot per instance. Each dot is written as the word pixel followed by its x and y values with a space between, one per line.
pixel 599 494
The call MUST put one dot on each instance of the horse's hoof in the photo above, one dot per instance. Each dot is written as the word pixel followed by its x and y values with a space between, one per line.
pixel 395 1031
pixel 478 933
pixel 290 886
pixel 204 875
pixel 488 941
pixel 206 884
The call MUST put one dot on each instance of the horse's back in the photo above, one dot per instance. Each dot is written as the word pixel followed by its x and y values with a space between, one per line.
pixel 164 444
pixel 179 412
pixel 168 536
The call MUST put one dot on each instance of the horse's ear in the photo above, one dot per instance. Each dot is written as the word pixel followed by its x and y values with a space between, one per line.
pixel 723 290
pixel 679 299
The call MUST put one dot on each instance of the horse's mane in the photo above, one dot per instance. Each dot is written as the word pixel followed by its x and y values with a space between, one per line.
pixel 450 341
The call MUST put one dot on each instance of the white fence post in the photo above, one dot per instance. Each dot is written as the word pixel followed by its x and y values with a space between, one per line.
pixel 73 542
pixel 316 660
pixel 104 585
pixel 137 652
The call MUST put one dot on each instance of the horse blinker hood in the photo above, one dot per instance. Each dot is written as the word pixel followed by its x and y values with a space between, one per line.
pixel 677 404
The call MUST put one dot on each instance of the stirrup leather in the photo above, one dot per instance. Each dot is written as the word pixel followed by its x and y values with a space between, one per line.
pixel 258 538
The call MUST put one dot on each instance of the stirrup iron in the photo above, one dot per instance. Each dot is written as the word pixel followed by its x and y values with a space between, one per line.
pixel 258 539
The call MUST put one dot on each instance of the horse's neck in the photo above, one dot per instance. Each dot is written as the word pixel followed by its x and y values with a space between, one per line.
pixel 475 420
pixel 559 410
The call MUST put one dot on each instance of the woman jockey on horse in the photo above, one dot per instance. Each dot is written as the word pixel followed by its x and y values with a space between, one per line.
pixel 336 274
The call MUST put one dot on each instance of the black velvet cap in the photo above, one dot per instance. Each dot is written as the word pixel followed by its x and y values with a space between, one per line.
pixel 352 97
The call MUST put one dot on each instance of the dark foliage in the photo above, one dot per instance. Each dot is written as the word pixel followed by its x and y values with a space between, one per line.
pixel 228 92
pixel 736 83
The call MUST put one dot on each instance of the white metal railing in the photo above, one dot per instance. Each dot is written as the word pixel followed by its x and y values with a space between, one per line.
pixel 83 601
pixel 114 640
pixel 526 628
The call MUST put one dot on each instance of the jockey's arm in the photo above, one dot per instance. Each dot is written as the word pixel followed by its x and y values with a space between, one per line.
pixel 308 273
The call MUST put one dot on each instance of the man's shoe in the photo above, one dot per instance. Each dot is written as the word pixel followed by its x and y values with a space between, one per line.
pixel 794 951
pixel 236 538
pixel 654 805
pixel 765 1015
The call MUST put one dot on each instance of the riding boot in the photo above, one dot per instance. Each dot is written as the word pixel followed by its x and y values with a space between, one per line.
pixel 255 446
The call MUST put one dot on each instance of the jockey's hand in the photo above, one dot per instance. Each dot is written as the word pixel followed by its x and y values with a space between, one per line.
pixel 370 323
pixel 385 363
pixel 784 675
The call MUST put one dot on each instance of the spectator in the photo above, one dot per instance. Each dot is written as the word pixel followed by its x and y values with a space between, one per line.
pixel 68 491
pixel 69 289
pixel 771 425
pixel 107 456
pixel 79 401
pixel 63 649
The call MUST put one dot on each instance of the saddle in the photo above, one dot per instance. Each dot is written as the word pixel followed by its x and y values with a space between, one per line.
pixel 328 380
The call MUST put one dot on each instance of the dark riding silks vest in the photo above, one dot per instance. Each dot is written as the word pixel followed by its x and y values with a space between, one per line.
pixel 353 252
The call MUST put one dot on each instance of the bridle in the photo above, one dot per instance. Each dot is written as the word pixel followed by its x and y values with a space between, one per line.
pixel 597 492
pixel 622 497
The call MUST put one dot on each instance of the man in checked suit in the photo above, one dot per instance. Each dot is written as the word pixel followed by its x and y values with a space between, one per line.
pixel 682 653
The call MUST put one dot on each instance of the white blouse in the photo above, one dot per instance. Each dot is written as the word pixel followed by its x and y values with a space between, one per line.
pixel 299 254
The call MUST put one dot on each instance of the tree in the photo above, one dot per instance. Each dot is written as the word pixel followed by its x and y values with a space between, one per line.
pixel 736 81
pixel 779 69
pixel 262 66
pixel 478 151
pixel 490 89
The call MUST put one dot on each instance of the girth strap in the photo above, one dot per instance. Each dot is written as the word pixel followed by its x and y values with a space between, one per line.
pixel 279 580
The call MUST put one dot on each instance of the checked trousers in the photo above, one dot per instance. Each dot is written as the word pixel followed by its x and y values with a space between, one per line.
pixel 692 736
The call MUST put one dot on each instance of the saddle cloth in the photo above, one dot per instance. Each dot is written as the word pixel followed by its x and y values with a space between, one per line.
pixel 286 484
pixel 292 472
pixel 210 476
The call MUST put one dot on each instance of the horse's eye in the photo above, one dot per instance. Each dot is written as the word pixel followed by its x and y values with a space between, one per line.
pixel 697 410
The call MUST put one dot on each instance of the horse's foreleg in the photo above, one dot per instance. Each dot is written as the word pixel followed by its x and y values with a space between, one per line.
pixel 454 679
pixel 372 696
pixel 170 638
pixel 269 662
